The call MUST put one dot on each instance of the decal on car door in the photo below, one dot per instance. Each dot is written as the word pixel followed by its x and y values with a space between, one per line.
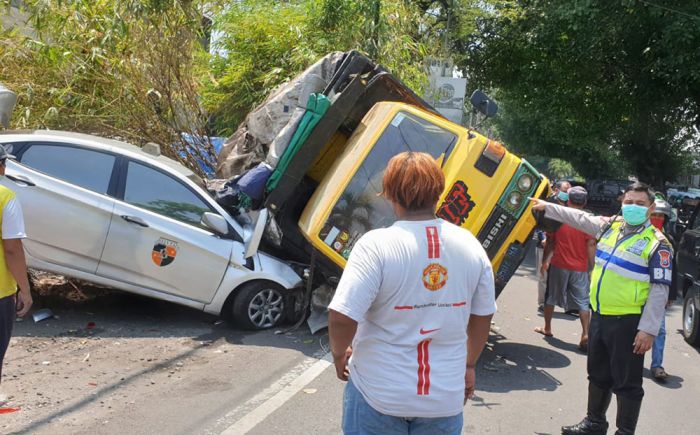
pixel 164 252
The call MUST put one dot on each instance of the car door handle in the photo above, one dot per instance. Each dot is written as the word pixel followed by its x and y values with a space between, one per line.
pixel 135 220
pixel 21 179
pixel 696 251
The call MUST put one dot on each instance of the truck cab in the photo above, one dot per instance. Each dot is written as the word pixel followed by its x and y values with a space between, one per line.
pixel 326 196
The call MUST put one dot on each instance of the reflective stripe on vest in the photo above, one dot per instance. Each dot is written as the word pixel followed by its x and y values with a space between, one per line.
pixel 620 279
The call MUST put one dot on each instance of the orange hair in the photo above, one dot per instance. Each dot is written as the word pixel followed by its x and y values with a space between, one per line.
pixel 413 180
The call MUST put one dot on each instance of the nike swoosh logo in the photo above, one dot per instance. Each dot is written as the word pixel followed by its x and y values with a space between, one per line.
pixel 428 331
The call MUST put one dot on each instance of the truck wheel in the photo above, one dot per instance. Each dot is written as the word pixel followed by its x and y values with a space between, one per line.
pixel 691 319
pixel 259 305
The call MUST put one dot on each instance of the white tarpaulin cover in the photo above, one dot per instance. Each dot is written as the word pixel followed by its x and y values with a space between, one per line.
pixel 267 130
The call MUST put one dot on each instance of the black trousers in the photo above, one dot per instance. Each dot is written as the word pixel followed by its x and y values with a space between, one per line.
pixel 7 320
pixel 612 364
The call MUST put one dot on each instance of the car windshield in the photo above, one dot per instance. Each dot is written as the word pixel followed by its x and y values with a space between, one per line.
pixel 360 208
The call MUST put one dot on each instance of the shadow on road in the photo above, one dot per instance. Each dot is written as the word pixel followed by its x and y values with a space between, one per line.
pixel 106 316
pixel 672 382
pixel 562 345
pixel 506 366
pixel 115 314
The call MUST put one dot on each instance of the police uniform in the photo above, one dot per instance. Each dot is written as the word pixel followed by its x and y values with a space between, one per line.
pixel 629 288
pixel 626 268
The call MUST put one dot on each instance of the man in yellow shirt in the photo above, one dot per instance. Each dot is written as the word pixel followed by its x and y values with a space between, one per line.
pixel 13 266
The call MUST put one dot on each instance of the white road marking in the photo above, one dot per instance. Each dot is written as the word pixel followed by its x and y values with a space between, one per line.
pixel 267 407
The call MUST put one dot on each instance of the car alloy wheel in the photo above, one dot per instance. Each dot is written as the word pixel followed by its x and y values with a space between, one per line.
pixel 266 308
pixel 690 316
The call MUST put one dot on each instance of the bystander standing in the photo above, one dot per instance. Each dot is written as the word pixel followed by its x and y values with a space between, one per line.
pixel 660 219
pixel 568 258
pixel 13 266
pixel 411 313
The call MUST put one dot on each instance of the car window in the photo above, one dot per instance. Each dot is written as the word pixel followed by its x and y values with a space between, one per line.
pixel 162 194
pixel 696 223
pixel 89 169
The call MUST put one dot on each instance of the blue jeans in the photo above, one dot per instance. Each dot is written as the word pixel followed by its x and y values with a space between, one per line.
pixel 657 350
pixel 359 418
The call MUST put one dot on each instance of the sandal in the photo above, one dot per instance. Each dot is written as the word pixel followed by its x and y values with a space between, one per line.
pixel 583 345
pixel 659 373
pixel 540 330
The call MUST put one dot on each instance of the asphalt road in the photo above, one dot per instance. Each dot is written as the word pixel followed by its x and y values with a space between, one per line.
pixel 157 368
pixel 527 384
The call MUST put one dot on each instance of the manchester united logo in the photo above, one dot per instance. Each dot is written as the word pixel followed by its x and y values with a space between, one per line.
pixel 434 277
pixel 164 252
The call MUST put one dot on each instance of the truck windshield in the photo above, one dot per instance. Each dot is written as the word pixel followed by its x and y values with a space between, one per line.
pixel 359 208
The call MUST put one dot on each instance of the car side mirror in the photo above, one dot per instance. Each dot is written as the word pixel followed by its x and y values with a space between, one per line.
pixel 215 223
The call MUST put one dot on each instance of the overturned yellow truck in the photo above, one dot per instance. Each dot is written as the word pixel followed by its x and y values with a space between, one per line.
pixel 323 189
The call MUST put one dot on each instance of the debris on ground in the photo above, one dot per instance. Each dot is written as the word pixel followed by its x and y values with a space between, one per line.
pixel 42 314
pixel 8 410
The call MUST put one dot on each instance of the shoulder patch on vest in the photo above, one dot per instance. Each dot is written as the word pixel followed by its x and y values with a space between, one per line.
pixel 660 236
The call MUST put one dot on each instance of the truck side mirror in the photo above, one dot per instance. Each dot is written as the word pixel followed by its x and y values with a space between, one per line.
pixel 483 103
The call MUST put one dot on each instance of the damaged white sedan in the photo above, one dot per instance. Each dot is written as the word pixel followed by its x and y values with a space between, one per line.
pixel 111 213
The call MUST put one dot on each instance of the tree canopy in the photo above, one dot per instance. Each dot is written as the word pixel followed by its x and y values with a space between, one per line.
pixel 612 86
pixel 126 69
pixel 259 44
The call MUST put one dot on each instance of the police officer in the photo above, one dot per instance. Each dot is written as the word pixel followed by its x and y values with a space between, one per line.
pixel 628 294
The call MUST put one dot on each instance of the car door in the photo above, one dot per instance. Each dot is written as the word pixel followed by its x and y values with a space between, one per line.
pixel 688 256
pixel 63 190
pixel 156 240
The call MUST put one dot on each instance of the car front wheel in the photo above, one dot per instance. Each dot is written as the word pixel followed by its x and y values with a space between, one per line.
pixel 691 319
pixel 259 305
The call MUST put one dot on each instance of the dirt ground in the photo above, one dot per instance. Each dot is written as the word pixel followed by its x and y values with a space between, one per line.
pixel 106 353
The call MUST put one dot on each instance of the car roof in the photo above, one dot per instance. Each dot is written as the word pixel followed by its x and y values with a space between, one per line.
pixel 101 143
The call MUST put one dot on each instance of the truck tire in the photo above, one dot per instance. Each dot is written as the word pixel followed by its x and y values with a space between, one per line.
pixel 259 305
pixel 691 319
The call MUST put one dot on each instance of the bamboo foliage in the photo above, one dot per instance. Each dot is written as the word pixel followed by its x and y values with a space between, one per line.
pixel 124 69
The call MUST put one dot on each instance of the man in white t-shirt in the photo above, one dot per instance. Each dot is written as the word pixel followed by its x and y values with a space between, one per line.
pixel 409 296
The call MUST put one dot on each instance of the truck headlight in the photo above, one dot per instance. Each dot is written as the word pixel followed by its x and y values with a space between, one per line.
pixel 515 199
pixel 524 183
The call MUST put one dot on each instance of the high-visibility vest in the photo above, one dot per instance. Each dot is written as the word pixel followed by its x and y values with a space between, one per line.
pixel 620 279
pixel 8 285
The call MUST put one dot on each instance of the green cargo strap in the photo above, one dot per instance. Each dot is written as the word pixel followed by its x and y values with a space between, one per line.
pixel 315 109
